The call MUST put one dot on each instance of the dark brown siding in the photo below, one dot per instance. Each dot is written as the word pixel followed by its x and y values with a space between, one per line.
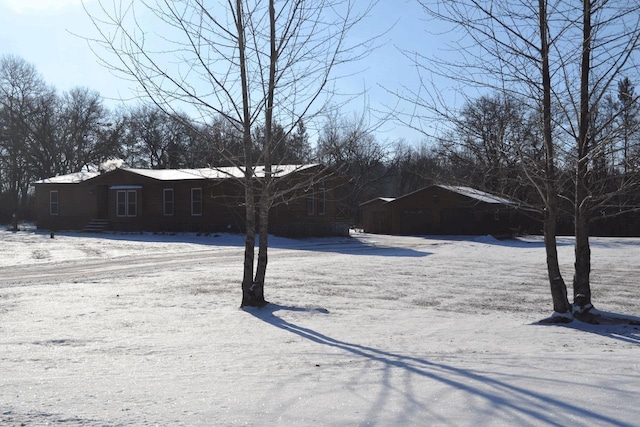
pixel 376 217
pixel 296 217
pixel 222 206
pixel 76 205
pixel 436 210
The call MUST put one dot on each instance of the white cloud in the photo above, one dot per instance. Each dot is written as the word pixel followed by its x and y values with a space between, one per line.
pixel 27 6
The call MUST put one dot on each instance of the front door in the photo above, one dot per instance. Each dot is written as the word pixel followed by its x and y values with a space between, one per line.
pixel 102 192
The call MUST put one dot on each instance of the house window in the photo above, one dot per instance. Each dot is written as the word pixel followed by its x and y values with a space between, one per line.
pixel 321 198
pixel 127 202
pixel 196 201
pixel 53 203
pixel 121 201
pixel 167 201
pixel 311 208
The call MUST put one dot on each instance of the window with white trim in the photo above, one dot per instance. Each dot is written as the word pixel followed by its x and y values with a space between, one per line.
pixel 126 203
pixel 54 202
pixel 196 201
pixel 321 198
pixel 311 202
pixel 167 201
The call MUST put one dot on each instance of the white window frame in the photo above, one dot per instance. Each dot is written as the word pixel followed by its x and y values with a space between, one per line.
pixel 130 205
pixel 121 204
pixel 168 203
pixel 54 205
pixel 194 210
pixel 322 199
pixel 311 202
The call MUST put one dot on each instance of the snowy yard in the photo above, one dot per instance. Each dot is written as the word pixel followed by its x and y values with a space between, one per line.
pixel 141 329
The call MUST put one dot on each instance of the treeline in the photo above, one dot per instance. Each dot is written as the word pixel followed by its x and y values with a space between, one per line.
pixel 493 143
pixel 44 133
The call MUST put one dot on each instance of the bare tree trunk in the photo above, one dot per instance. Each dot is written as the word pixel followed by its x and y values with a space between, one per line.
pixel 581 285
pixel 581 281
pixel 227 75
pixel 248 289
pixel 261 268
pixel 249 297
pixel 558 287
pixel 265 196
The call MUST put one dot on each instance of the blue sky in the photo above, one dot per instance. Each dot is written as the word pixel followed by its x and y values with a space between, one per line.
pixel 42 33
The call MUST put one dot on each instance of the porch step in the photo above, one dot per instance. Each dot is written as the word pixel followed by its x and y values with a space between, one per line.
pixel 96 226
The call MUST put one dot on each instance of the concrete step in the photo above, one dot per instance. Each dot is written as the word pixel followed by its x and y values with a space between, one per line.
pixel 96 226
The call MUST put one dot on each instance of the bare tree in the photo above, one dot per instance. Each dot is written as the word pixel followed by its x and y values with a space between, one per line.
pixel 24 97
pixel 486 140
pixel 610 35
pixel 85 130
pixel 505 47
pixel 563 57
pixel 416 166
pixel 68 133
pixel 293 147
pixel 42 146
pixel 349 146
pixel 156 140
pixel 253 63
pixel 221 143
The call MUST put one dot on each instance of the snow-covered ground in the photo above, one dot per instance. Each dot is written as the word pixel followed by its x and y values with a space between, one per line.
pixel 142 329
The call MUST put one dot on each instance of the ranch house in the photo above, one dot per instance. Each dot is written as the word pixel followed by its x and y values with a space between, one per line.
pixel 195 200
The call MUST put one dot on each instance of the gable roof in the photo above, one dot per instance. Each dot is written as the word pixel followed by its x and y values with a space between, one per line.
pixel 216 173
pixel 469 192
pixel 378 200
pixel 72 178
pixel 182 174
pixel 478 195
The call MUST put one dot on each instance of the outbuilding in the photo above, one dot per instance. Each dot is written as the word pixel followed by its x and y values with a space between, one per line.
pixel 440 209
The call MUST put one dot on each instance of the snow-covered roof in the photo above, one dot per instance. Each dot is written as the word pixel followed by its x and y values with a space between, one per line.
pixel 378 199
pixel 215 173
pixel 478 195
pixel 181 174
pixel 472 193
pixel 72 178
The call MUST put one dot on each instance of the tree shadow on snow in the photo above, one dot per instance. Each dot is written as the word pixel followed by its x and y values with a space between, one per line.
pixel 509 242
pixel 611 325
pixel 340 245
pixel 351 246
pixel 505 397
